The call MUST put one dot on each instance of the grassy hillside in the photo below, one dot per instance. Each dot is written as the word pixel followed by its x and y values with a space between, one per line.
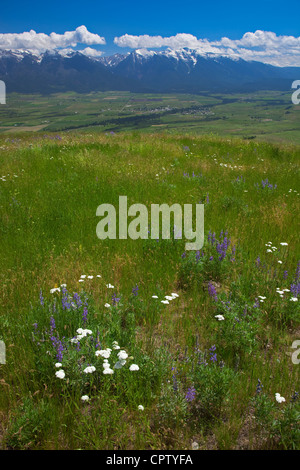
pixel 211 359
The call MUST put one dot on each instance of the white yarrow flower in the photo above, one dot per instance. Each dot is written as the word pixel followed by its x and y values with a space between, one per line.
pixel 60 374
pixel 85 398
pixel 219 317
pixel 279 398
pixel 122 355
pixel 140 407
pixel 58 364
pixel 134 367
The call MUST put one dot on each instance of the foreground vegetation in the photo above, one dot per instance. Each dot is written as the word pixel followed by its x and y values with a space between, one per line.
pixel 138 344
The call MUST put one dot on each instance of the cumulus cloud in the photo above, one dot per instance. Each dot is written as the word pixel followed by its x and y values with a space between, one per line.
pixel 40 42
pixel 263 46
pixel 90 52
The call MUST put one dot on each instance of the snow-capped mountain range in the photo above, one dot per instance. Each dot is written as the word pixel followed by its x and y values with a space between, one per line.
pixel 185 70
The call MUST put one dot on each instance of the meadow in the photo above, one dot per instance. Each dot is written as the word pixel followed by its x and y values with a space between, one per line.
pixel 139 344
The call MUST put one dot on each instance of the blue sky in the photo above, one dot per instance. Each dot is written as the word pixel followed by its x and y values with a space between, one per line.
pixel 200 19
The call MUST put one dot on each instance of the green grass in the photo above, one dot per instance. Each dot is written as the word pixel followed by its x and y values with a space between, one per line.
pixel 50 188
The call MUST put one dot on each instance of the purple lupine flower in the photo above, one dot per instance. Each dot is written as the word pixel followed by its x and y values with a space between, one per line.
pixel 58 345
pixel 135 290
pixel 115 299
pixel 84 315
pixel 77 299
pixel 295 289
pixel 257 261
pixel 41 299
pixel 190 394
pixel 213 355
pixel 65 303
pixel 183 255
pixel 98 344
pixel 285 274
pixel 52 324
pixel 212 291
pixel 207 198
pixel 259 387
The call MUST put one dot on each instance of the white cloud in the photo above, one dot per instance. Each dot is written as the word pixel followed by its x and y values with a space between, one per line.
pixel 90 52
pixel 263 46
pixel 40 42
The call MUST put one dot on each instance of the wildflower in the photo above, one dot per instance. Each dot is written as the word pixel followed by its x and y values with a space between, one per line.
pixel 213 357
pixel 174 294
pixel 83 276
pixel 103 353
pixel 55 289
pixel 60 374
pixel 89 370
pixel 259 387
pixel 212 291
pixel 115 299
pixel 219 317
pixel 168 297
pixel 140 407
pixel 279 261
pixel 81 280
pixel 41 298
pixel 279 398
pixel 293 299
pixel 190 394
pixel 84 315
pixel 134 367
pixel 108 371
pixel 85 398
pixel 90 277
pixel 110 286
pixel 58 364
pixel 135 290
pixel 164 301
pixel 107 305
pixel 122 355
pixel 283 243
pixel 154 297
